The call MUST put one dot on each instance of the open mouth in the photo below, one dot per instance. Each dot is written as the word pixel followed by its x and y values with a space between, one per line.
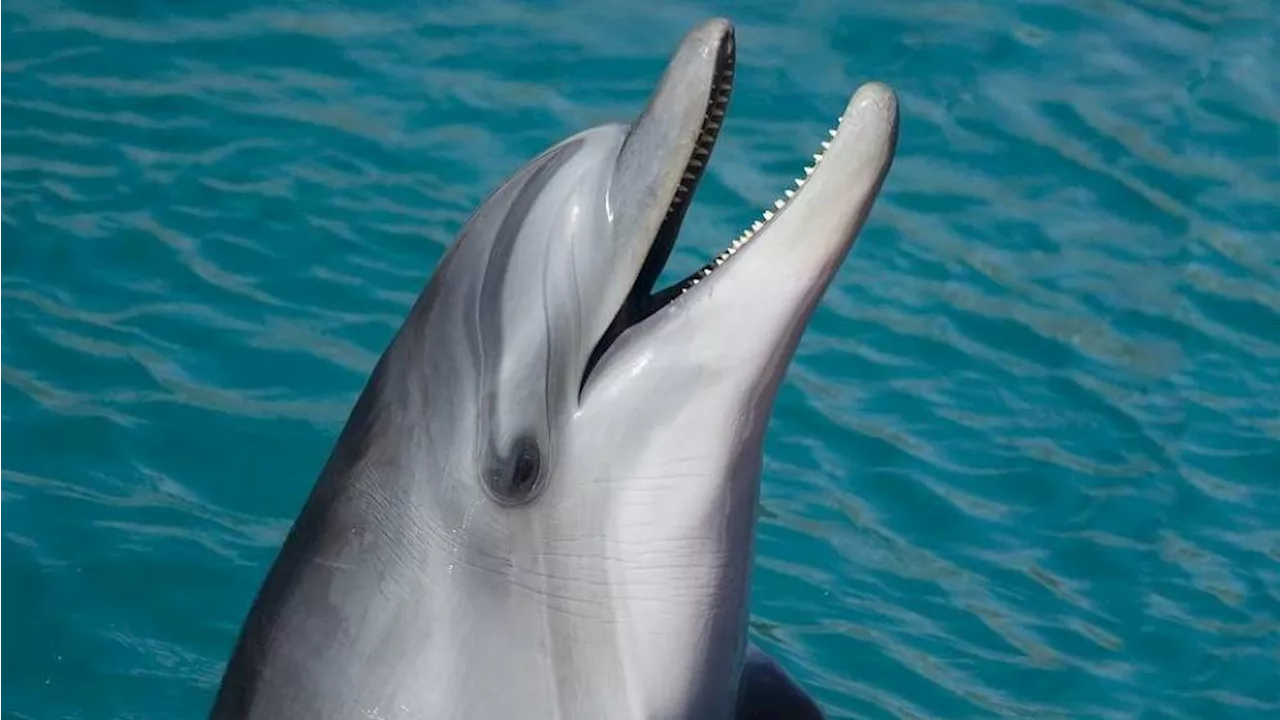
pixel 642 301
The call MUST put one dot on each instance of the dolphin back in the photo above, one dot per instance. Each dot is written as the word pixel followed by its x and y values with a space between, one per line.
pixel 767 692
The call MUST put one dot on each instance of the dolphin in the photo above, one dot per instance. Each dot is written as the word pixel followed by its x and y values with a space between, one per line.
pixel 543 503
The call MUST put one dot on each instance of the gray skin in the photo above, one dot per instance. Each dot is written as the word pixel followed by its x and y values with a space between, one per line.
pixel 515 525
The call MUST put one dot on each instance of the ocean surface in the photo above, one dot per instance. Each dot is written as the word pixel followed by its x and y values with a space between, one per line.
pixel 1025 464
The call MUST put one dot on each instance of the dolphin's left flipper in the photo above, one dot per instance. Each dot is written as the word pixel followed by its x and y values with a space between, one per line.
pixel 767 692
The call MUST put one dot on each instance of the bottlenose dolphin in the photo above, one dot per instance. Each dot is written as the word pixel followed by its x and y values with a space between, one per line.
pixel 543 504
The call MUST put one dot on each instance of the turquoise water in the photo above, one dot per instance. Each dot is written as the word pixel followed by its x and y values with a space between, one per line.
pixel 1026 463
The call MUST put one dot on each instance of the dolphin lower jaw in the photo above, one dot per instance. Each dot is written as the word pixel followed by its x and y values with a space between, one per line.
pixel 778 205
pixel 781 203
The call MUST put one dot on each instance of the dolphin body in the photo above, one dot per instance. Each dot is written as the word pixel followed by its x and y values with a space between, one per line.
pixel 543 504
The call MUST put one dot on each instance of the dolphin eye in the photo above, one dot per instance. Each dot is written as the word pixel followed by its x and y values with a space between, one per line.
pixel 515 478
pixel 525 472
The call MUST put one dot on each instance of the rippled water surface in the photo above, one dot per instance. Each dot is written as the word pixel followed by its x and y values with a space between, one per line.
pixel 1026 463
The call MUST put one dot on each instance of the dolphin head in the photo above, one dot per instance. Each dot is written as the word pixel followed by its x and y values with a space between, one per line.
pixel 585 449
pixel 559 260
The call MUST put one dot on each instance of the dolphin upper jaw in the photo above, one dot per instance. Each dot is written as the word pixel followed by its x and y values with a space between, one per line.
pixel 662 158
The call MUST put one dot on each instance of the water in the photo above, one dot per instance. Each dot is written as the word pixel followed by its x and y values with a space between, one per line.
pixel 1027 462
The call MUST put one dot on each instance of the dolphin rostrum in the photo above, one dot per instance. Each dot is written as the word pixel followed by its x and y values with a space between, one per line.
pixel 543 504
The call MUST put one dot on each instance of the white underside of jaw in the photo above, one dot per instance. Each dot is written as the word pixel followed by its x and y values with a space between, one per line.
pixel 758 225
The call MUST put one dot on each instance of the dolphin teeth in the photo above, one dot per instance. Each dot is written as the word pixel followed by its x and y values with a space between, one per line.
pixel 712 124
